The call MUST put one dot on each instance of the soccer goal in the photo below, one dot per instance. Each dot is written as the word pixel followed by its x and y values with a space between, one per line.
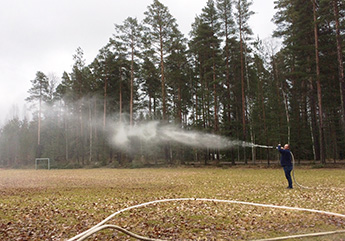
pixel 37 160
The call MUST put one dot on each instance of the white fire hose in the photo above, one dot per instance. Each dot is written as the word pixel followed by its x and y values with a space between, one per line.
pixel 101 225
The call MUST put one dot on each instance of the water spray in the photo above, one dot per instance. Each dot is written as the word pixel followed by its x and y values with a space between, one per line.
pixel 154 133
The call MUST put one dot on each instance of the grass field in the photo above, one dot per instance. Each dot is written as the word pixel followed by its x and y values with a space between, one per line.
pixel 58 204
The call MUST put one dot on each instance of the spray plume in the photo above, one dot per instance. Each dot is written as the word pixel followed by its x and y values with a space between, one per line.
pixel 122 135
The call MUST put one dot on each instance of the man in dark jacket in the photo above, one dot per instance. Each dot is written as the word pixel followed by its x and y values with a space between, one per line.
pixel 285 162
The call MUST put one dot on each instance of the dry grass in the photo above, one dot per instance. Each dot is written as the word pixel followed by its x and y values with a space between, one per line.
pixel 58 204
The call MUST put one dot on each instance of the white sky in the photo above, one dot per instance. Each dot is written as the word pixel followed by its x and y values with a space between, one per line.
pixel 42 35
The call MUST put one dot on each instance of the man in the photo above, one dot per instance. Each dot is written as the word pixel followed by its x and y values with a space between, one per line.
pixel 285 162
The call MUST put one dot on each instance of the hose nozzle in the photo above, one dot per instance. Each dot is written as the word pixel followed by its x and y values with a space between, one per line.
pixel 262 146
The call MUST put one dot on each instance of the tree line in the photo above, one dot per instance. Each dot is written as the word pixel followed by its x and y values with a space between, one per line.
pixel 220 80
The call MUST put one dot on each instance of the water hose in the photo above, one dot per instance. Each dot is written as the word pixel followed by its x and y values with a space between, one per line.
pixel 293 173
pixel 118 228
pixel 100 226
pixel 305 187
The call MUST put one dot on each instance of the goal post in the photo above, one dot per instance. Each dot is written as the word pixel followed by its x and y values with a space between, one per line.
pixel 42 159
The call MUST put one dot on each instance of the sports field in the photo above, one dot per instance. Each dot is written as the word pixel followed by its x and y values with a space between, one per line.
pixel 59 204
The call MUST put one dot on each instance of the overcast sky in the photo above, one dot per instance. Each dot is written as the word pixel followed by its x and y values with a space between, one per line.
pixel 42 35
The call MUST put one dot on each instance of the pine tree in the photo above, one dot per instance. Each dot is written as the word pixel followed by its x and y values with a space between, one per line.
pixel 318 84
pixel 130 35
pixel 242 16
pixel 160 25
pixel 227 30
pixel 337 4
pixel 79 87
pixel 64 94
pixel 39 92
pixel 209 16
pixel 177 76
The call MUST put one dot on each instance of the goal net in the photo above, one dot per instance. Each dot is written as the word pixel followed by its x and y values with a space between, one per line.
pixel 42 162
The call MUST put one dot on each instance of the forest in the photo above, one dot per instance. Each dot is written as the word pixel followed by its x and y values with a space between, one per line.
pixel 219 80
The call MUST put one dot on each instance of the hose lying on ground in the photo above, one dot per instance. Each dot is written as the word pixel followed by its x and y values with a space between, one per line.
pixel 118 228
pixel 100 226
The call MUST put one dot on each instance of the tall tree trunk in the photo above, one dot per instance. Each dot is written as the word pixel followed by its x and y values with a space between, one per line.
pixel 120 94
pixel 250 120
pixel 208 106
pixel 179 104
pixel 216 127
pixel 150 107
pixel 313 122
pixel 264 115
pixel 90 132
pixel 318 86
pixel 252 139
pixel 105 114
pixel 196 104
pixel 39 120
pixel 340 60
pixel 279 86
pixel 167 146
pixel 215 98
pixel 227 70
pixel 66 136
pixel 81 134
pixel 132 81
pixel 154 107
pixel 243 93
pixel 105 103
pixel 162 74
pixel 313 117
pixel 203 105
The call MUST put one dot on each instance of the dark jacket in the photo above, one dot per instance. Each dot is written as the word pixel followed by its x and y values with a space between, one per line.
pixel 285 158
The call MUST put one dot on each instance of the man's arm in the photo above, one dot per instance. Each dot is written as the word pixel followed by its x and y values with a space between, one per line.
pixel 280 149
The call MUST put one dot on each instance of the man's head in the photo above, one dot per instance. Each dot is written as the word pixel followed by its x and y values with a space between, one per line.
pixel 286 147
